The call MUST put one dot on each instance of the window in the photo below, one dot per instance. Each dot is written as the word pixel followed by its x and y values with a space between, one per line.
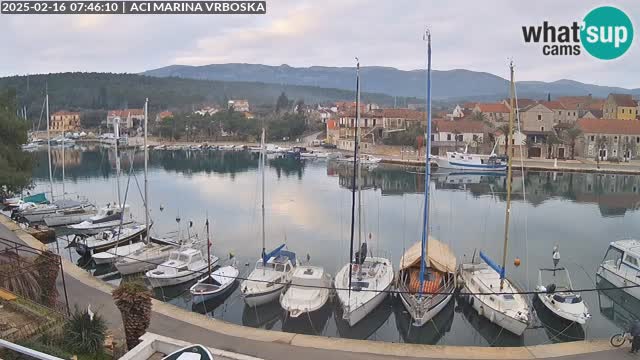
pixel 459 137
pixel 475 137
pixel 631 260
pixel 539 117
pixel 637 139
pixel 593 138
pixel 615 139
pixel 449 137
pixel 541 128
pixel 433 137
pixel 559 112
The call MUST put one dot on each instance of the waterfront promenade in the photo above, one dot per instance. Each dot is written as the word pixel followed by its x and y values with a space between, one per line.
pixel 174 322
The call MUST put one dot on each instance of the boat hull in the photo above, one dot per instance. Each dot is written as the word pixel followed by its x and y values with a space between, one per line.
pixel 446 164
pixel 110 256
pixel 53 220
pixel 81 230
pixel 573 316
pixel 172 281
pixel 420 320
pixel 257 299
pixel 230 273
pixel 619 281
pixel 84 250
pixel 508 323
pixel 148 263
pixel 354 316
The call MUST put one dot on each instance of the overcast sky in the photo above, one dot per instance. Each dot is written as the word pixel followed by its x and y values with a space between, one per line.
pixel 478 35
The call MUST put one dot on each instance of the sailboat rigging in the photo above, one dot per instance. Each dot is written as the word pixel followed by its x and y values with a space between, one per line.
pixel 374 274
pixel 273 271
pixel 427 294
pixel 505 307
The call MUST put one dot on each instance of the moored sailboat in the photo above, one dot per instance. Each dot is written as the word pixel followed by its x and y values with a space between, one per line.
pixel 426 279
pixel 489 291
pixel 273 270
pixel 363 283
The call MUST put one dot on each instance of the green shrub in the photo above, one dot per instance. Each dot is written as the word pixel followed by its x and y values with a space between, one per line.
pixel 85 335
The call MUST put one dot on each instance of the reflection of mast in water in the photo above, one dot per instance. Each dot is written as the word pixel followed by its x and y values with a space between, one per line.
pixel 431 333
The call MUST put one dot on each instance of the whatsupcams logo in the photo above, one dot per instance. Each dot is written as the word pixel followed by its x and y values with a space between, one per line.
pixel 605 33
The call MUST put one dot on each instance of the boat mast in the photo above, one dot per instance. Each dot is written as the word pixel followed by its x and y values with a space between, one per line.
pixel 355 172
pixel 116 130
pixel 262 165
pixel 208 249
pixel 427 171
pixel 146 181
pixel 357 160
pixel 509 173
pixel 63 190
pixel 49 145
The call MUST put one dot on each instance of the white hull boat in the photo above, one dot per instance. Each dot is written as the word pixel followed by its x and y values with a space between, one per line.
pixel 621 266
pixel 183 266
pixel 475 162
pixel 70 216
pixel 111 255
pixel 147 258
pixel 107 217
pixel 191 352
pixel 309 291
pixel 268 279
pixel 36 212
pixel 508 310
pixel 215 284
pixel 106 240
pixel 370 284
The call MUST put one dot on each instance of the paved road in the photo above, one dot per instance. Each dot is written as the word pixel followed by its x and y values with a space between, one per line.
pixel 82 295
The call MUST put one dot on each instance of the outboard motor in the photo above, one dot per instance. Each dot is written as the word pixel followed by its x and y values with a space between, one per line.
pixel 551 288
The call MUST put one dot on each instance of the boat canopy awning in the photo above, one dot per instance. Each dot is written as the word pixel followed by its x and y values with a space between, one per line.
pixel 440 256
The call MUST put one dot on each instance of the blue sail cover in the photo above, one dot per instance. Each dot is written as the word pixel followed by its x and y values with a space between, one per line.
pixel 493 265
pixel 39 198
pixel 274 252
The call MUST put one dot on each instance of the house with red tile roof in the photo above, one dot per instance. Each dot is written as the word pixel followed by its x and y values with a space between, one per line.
pixel 64 121
pixel 129 118
pixel 494 112
pixel 448 135
pixel 609 139
pixel 620 106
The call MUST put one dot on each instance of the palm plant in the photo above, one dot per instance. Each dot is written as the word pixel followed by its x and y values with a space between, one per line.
pixel 504 129
pixel 479 116
pixel 571 135
pixel 601 143
pixel 84 332
pixel 134 301
pixel 530 145
pixel 18 275
pixel 47 266
pixel 551 141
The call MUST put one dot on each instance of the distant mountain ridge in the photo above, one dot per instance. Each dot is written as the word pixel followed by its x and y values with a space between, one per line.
pixel 447 84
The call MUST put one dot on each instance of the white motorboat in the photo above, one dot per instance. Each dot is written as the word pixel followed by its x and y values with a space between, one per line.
pixel 113 254
pixel 427 275
pixel 488 289
pixel 191 352
pixel 182 266
pixel 621 266
pixel 465 161
pixel 70 216
pixel 309 291
pixel 214 284
pixel 370 283
pixel 502 305
pixel 268 279
pixel 107 217
pixel 108 239
pixel 556 293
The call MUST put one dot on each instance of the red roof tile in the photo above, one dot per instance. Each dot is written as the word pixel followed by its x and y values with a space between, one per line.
pixel 125 113
pixel 493 107
pixel 553 105
pixel 462 126
pixel 609 126
pixel 623 100
pixel 404 114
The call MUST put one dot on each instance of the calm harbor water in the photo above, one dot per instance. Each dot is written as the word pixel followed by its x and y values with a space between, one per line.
pixel 308 208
